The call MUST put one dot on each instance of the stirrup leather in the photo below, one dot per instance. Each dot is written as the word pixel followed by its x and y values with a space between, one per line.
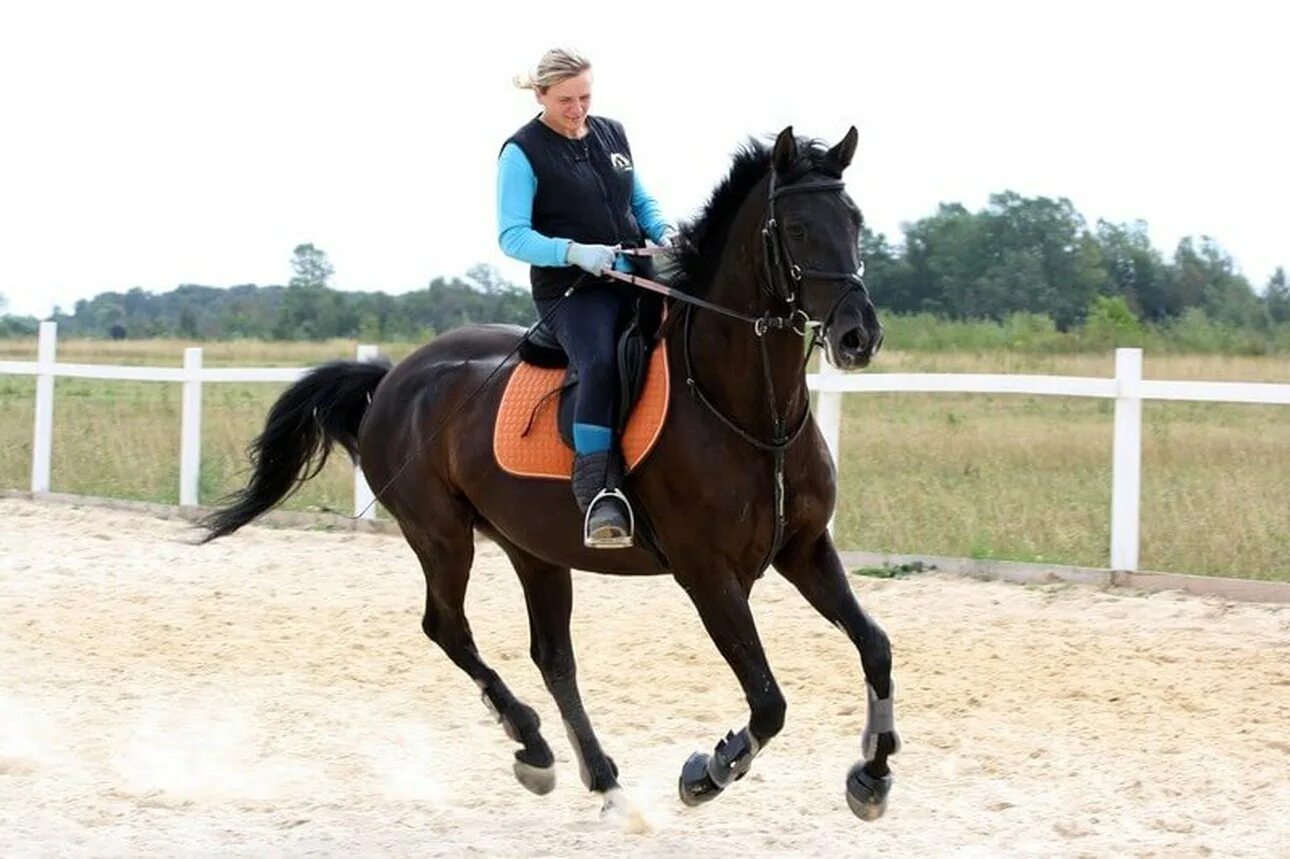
pixel 620 542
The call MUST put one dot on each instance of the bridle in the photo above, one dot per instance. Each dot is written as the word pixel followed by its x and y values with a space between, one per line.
pixel 782 281
pixel 783 276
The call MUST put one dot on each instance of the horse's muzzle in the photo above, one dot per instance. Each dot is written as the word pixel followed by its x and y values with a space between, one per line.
pixel 855 334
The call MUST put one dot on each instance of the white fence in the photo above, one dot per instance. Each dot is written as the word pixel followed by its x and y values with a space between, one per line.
pixel 1127 388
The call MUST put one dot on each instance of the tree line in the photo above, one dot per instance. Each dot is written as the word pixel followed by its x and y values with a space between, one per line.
pixel 1035 256
pixel 307 308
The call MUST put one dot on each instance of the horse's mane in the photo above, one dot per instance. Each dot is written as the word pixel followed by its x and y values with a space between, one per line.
pixel 704 238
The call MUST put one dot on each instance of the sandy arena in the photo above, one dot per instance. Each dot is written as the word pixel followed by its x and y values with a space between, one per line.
pixel 272 694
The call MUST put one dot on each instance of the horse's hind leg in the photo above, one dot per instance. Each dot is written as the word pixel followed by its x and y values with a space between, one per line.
pixel 817 571
pixel 548 591
pixel 722 602
pixel 446 554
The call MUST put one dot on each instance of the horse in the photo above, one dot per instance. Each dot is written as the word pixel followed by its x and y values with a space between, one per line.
pixel 770 264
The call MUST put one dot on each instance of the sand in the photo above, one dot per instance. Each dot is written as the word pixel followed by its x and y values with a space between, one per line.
pixel 272 694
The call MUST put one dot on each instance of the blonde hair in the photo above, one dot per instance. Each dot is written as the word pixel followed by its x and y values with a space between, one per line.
pixel 556 65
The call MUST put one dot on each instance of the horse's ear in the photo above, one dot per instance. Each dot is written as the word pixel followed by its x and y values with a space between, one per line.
pixel 784 154
pixel 842 154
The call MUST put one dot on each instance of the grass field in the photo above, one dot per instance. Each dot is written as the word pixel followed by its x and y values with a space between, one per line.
pixel 1008 477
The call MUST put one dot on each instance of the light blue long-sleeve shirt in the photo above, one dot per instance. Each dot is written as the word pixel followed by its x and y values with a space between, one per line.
pixel 516 187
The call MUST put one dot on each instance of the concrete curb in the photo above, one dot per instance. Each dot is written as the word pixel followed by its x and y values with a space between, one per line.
pixel 274 518
pixel 1238 590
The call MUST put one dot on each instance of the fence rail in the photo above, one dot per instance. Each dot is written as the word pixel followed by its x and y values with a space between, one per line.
pixel 1127 388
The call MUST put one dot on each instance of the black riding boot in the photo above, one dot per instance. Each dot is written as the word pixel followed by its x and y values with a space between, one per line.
pixel 607 516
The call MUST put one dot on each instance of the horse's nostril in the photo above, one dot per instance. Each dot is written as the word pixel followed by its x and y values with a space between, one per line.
pixel 851 341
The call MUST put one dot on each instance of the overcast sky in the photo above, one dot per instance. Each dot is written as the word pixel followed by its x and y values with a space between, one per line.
pixel 153 144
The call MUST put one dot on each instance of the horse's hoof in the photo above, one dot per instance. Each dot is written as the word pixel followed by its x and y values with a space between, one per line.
pixel 539 780
pixel 619 808
pixel 867 794
pixel 695 785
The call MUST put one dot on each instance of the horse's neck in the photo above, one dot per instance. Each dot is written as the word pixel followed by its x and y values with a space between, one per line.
pixel 726 354
pixel 728 362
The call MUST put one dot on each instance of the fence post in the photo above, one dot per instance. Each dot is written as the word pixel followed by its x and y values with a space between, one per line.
pixel 1126 460
pixel 190 445
pixel 828 416
pixel 42 444
pixel 363 496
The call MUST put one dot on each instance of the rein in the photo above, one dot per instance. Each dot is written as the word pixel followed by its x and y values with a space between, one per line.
pixel 798 321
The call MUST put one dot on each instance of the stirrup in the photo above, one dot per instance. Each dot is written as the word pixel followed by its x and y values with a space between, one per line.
pixel 609 538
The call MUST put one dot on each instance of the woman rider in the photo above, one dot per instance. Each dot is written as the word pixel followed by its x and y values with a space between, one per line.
pixel 567 195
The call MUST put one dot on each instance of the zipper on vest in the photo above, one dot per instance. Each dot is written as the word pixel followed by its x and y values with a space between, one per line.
pixel 604 193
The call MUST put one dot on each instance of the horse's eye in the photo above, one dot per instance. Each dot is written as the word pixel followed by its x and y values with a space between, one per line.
pixel 796 231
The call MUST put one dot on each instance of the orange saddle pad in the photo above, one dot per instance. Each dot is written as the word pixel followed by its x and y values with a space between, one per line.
pixel 540 452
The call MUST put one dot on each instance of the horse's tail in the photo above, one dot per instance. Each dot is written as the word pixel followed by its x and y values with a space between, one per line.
pixel 324 407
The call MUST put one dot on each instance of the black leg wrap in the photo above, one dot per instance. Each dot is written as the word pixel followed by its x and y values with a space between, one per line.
pixel 537 755
pixel 534 764
pixel 880 737
pixel 705 776
pixel 732 758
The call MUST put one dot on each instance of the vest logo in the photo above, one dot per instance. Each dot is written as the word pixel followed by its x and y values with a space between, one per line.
pixel 620 162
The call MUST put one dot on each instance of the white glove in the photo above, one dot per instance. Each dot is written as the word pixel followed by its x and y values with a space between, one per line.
pixel 668 239
pixel 593 259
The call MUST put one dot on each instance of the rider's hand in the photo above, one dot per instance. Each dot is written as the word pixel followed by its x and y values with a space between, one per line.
pixel 593 259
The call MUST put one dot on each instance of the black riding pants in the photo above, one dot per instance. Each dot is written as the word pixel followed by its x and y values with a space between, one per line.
pixel 586 324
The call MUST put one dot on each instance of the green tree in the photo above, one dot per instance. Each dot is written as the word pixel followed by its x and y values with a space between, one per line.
pixel 311 267
pixel 1206 277
pixel 310 309
pixel 313 313
pixel 1137 270
pixel 1047 241
pixel 1020 254
pixel 488 279
pixel 1276 296
pixel 188 322
pixel 889 276
pixel 1110 322
pixel 943 253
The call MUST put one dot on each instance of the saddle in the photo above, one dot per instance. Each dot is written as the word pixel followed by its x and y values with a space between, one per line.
pixel 533 436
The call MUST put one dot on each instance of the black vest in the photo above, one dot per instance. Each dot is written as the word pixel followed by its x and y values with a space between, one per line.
pixel 584 192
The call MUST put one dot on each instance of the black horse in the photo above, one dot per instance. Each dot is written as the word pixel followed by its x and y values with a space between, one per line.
pixel 775 256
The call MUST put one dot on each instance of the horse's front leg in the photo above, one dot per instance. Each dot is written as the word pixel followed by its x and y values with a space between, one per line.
pixel 722 602
pixel 814 567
